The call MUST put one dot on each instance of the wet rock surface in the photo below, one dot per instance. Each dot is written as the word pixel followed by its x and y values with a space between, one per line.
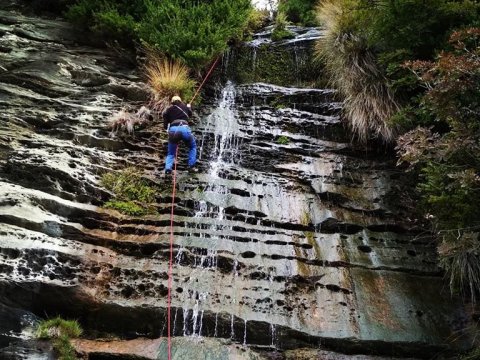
pixel 288 237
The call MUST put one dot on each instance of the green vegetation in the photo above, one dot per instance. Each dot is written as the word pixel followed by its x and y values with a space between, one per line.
pixel 187 30
pixel 446 155
pixel 300 12
pixel 410 73
pixel 353 70
pixel 60 331
pixel 306 218
pixel 274 65
pixel 126 207
pixel 109 19
pixel 283 140
pixel 472 355
pixel 132 195
pixel 256 20
pixel 280 30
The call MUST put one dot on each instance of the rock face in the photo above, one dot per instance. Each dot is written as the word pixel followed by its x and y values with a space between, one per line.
pixel 287 239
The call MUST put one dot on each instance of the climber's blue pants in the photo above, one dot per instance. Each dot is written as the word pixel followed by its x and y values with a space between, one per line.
pixel 175 135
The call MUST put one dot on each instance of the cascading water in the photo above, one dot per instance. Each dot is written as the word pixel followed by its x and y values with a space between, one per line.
pixel 222 123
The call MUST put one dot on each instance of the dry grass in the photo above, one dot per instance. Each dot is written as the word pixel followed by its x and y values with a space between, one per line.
pixel 166 79
pixel 353 71
pixel 123 121
pixel 459 256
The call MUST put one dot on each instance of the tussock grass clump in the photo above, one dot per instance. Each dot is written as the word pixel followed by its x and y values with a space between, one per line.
pixel 460 257
pixel 353 71
pixel 166 79
pixel 57 327
pixel 60 331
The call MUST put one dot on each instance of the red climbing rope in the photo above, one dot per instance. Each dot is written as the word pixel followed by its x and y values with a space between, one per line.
pixel 205 79
pixel 170 264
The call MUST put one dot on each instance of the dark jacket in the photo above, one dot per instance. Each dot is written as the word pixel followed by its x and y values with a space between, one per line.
pixel 177 111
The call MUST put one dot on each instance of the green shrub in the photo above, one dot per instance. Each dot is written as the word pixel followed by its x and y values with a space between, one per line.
pixel 193 31
pixel 366 45
pixel 300 12
pixel 448 160
pixel 60 331
pixel 256 20
pixel 283 140
pixel 392 28
pixel 450 194
pixel 108 18
pixel 111 23
pixel 280 30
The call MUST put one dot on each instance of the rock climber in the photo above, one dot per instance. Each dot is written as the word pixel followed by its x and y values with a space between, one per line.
pixel 175 121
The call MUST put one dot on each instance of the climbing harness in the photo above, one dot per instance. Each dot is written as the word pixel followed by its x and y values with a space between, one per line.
pixel 170 264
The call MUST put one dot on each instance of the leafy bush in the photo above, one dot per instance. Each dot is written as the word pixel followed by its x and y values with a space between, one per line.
pixel 392 28
pixel 256 20
pixel 448 162
pixel 280 30
pixel 60 331
pixel 111 19
pixel 193 31
pixel 189 30
pixel 300 12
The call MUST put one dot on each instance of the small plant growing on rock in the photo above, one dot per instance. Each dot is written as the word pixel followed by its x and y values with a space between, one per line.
pixel 60 331
pixel 283 140
pixel 280 30
pixel 126 207
pixel 132 195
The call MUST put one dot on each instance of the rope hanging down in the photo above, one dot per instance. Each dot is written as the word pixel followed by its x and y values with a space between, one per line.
pixel 205 79
pixel 170 263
